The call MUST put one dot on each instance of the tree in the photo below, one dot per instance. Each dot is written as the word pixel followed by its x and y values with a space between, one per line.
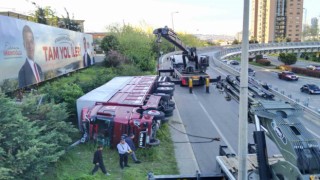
pixel 32 136
pixel 110 43
pixel 44 15
pixel 235 41
pixel 136 45
pixel 288 59
pixel 68 23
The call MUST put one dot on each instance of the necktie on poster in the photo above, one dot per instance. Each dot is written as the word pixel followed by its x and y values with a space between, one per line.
pixel 37 73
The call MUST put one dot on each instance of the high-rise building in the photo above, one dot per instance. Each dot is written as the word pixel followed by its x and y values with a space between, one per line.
pixel 314 22
pixel 276 20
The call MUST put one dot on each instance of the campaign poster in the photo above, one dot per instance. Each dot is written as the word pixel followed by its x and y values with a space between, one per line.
pixel 31 53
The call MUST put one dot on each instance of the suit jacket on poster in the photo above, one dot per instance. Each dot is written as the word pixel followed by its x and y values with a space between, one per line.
pixel 88 60
pixel 26 76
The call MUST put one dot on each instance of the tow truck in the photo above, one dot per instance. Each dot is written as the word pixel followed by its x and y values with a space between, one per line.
pixel 187 67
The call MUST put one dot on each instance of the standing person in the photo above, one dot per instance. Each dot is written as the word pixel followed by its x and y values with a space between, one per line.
pixel 30 72
pixel 124 150
pixel 129 141
pixel 86 56
pixel 98 162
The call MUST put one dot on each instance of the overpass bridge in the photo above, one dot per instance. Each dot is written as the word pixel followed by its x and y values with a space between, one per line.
pixel 255 49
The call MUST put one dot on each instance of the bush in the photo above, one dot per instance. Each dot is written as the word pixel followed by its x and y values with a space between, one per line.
pixel 307 72
pixel 264 62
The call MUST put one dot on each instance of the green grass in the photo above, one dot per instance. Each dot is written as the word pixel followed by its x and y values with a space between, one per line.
pixel 77 163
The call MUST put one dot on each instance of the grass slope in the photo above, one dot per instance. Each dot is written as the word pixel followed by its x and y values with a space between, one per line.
pixel 77 163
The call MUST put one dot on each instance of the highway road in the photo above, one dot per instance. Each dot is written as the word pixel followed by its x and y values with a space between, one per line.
pixel 210 115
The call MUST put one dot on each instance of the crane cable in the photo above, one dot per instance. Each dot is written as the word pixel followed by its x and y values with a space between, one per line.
pixel 191 135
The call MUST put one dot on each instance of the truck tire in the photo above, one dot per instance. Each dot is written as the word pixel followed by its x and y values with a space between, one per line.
pixel 168 111
pixel 164 120
pixel 166 84
pixel 164 96
pixel 166 90
pixel 172 104
pixel 154 142
pixel 157 115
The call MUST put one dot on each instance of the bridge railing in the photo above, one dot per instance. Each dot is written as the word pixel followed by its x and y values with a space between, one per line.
pixel 281 94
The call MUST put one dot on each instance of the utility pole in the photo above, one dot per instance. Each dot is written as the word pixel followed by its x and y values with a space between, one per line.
pixel 243 105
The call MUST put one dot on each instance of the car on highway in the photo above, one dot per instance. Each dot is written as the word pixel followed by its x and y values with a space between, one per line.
pixel 287 75
pixel 315 67
pixel 251 72
pixel 233 62
pixel 310 88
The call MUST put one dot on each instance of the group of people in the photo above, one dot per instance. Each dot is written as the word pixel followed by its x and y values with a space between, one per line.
pixel 125 147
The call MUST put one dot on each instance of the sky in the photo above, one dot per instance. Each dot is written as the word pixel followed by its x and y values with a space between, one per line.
pixel 219 17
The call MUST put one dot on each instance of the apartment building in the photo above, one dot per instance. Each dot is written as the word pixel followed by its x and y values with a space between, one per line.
pixel 276 20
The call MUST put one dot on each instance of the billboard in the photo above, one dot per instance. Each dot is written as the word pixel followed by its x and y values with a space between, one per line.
pixel 31 53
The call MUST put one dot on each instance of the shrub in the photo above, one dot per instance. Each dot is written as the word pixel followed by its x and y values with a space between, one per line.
pixel 264 62
pixel 307 72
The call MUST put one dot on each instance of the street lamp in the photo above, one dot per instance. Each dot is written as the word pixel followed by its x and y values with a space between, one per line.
pixel 173 24
pixel 172 19
pixel 305 24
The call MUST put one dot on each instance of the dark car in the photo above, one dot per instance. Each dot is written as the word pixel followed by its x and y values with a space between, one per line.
pixel 287 75
pixel 233 62
pixel 310 88
pixel 251 72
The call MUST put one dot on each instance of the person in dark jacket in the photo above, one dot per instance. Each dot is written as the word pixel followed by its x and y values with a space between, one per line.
pixel 98 162
pixel 129 141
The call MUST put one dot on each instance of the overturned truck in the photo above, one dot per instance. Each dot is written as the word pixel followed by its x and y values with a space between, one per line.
pixel 124 105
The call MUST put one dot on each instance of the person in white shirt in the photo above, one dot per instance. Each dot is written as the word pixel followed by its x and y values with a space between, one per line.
pixel 124 150
pixel 30 72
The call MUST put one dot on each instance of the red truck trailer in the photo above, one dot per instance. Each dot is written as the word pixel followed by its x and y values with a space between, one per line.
pixel 126 105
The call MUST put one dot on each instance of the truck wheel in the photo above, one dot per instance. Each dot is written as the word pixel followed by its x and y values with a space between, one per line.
pixel 169 114
pixel 166 90
pixel 157 115
pixel 167 111
pixel 164 120
pixel 166 84
pixel 172 104
pixel 164 97
pixel 154 142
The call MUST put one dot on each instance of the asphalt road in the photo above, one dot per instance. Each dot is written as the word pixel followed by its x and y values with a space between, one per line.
pixel 210 115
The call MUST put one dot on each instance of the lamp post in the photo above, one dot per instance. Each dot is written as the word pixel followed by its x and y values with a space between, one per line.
pixel 172 13
pixel 305 24
pixel 173 24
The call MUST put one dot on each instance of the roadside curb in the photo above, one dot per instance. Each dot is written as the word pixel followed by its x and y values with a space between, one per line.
pixel 184 154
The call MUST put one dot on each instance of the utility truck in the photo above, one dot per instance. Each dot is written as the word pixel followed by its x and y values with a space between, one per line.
pixel 125 105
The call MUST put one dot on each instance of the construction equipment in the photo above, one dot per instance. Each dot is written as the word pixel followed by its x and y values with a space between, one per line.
pixel 187 66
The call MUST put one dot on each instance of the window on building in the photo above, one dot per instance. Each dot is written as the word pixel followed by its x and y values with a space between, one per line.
pixel 297 34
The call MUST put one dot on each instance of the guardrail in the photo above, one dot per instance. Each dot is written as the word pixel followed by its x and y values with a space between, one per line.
pixel 227 51
pixel 281 94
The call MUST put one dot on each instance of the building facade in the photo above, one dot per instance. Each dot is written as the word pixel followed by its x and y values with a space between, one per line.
pixel 276 20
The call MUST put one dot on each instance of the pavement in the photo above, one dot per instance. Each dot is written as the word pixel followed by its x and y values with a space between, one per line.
pixel 184 154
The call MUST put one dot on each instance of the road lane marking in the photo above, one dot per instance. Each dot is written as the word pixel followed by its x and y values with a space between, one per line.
pixel 215 126
pixel 313 133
